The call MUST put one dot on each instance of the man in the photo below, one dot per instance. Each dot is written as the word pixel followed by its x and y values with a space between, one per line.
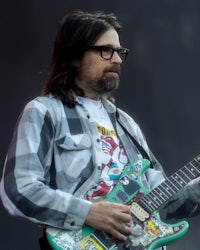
pixel 71 144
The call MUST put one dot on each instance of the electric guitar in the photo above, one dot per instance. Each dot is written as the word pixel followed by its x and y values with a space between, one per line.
pixel 149 232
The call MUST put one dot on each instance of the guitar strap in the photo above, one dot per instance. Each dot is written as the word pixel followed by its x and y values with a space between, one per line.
pixel 138 146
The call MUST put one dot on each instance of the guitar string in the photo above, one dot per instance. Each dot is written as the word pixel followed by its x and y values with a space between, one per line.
pixel 152 202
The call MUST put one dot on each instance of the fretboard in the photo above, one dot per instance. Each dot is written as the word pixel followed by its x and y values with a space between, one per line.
pixel 162 193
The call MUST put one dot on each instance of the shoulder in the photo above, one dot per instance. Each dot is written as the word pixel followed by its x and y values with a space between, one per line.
pixel 44 102
pixel 48 101
pixel 45 106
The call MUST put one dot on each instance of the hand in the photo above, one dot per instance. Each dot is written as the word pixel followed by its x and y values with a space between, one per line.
pixel 110 217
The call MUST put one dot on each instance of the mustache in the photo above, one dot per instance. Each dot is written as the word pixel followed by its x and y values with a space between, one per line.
pixel 114 68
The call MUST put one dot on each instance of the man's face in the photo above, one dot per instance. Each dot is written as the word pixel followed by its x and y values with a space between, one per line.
pixel 97 76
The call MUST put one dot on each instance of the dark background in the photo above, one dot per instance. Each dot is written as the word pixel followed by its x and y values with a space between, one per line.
pixel 159 84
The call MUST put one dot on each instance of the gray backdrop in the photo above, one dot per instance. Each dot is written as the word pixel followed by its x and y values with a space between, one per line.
pixel 159 84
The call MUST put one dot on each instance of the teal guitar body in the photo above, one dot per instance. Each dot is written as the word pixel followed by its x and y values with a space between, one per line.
pixel 149 232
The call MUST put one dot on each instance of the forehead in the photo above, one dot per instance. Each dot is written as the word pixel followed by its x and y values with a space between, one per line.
pixel 110 37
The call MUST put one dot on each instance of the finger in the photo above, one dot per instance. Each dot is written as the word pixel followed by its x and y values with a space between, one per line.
pixel 123 228
pixel 118 235
pixel 125 217
pixel 120 216
pixel 123 208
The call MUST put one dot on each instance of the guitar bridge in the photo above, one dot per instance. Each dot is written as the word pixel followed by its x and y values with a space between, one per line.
pixel 139 212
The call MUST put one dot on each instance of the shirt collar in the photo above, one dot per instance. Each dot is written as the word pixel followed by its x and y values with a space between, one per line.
pixel 109 106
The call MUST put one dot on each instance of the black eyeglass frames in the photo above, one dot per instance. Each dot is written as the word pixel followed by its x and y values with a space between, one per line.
pixel 107 52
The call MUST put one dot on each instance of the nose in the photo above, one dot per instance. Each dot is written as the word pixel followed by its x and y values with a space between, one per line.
pixel 116 58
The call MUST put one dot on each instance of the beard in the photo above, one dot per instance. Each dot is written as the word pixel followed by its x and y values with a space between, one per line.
pixel 107 84
pixel 103 85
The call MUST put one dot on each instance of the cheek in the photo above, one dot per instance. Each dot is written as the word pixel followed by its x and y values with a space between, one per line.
pixel 93 70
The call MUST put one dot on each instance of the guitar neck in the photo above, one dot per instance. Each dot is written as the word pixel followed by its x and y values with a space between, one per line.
pixel 162 193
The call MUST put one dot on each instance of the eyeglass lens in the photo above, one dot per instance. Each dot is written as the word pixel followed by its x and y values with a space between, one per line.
pixel 107 53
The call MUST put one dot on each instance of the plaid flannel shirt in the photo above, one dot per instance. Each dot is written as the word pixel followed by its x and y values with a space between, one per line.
pixel 55 157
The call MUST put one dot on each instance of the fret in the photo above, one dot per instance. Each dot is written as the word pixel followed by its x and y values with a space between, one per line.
pixel 178 181
pixel 172 185
pixel 155 198
pixel 147 203
pixel 161 194
pixel 184 174
pixel 190 172
pixel 149 208
pixel 165 191
pixel 194 171
pixel 181 177
pixel 197 163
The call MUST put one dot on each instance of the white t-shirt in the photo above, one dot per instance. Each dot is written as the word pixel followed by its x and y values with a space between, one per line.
pixel 114 157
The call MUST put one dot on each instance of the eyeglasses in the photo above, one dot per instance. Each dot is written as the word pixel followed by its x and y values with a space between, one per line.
pixel 107 52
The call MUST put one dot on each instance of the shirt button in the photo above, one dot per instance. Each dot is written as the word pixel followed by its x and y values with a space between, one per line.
pixel 99 167
pixel 72 223
pixel 98 140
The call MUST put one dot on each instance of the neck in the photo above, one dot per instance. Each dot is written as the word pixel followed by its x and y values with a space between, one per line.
pixel 92 96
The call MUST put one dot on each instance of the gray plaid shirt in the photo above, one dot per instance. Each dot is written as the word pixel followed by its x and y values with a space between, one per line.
pixel 55 157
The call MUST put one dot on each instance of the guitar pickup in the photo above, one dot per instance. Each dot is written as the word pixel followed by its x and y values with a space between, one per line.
pixel 139 212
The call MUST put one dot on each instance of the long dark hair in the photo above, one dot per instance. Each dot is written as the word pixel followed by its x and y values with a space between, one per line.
pixel 78 31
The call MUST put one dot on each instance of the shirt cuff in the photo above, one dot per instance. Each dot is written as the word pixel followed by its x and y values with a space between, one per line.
pixel 77 213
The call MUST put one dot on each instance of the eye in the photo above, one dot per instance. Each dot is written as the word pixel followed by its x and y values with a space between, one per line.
pixel 107 50
pixel 122 51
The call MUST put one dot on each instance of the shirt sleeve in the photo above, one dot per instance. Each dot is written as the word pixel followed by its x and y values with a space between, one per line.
pixel 185 203
pixel 25 187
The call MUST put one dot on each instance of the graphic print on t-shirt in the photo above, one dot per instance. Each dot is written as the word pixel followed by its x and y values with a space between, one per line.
pixel 114 160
